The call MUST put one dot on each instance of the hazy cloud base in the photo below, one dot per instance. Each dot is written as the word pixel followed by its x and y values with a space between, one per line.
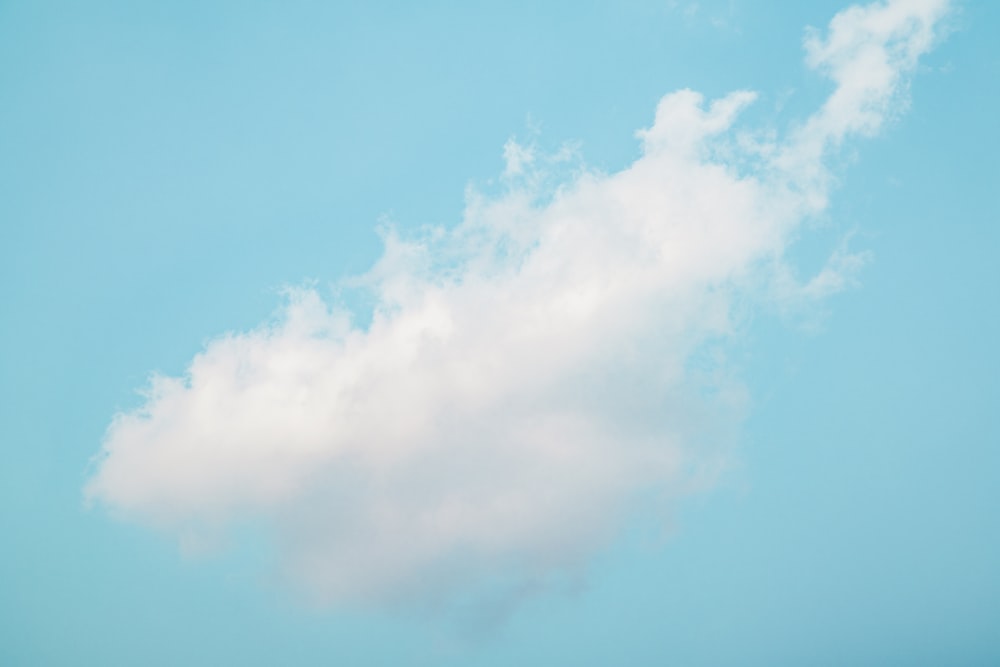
pixel 531 377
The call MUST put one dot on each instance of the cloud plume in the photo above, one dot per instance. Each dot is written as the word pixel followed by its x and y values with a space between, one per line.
pixel 530 377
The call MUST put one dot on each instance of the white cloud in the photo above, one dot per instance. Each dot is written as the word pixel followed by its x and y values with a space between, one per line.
pixel 516 158
pixel 531 376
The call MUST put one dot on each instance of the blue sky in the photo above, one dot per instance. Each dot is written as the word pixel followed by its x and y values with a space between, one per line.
pixel 504 381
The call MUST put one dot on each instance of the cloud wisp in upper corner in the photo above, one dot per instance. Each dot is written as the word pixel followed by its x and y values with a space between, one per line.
pixel 530 377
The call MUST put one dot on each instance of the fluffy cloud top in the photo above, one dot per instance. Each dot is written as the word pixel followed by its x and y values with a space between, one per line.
pixel 530 375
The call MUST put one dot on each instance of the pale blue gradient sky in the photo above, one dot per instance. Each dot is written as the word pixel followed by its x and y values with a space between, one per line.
pixel 165 168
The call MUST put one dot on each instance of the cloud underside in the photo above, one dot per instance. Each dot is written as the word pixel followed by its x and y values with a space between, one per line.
pixel 531 377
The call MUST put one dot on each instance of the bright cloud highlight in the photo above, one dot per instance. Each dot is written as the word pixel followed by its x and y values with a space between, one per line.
pixel 530 377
